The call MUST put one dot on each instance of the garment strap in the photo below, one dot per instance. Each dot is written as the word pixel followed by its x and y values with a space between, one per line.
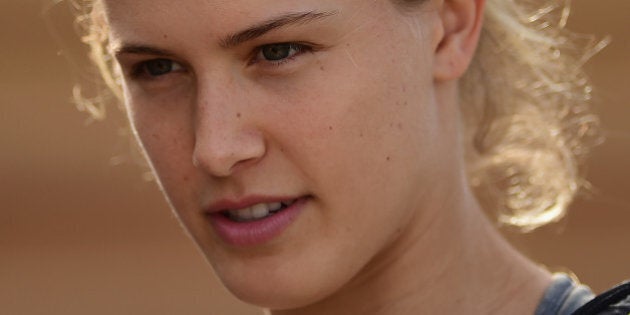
pixel 612 302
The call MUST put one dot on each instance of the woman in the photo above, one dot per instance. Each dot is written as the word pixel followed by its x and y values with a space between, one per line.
pixel 324 155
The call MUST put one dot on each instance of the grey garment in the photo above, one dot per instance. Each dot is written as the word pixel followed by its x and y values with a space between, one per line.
pixel 563 296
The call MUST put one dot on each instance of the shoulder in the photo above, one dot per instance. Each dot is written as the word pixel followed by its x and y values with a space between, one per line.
pixel 615 301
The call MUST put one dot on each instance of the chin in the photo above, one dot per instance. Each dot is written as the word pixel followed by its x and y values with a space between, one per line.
pixel 279 290
pixel 275 296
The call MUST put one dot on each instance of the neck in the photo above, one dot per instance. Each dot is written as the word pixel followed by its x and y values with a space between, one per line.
pixel 450 261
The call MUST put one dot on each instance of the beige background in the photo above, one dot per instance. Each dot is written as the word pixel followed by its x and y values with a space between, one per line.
pixel 81 232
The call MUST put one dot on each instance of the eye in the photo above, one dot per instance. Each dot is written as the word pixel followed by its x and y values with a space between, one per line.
pixel 278 53
pixel 157 67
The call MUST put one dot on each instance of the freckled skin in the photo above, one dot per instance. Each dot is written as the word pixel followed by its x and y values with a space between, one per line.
pixel 286 111
pixel 226 128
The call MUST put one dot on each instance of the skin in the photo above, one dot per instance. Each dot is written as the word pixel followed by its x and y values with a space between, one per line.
pixel 366 124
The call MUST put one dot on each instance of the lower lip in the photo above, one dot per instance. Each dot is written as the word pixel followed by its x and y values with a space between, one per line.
pixel 256 232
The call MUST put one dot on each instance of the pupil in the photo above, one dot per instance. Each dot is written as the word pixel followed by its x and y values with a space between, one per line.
pixel 276 51
pixel 159 67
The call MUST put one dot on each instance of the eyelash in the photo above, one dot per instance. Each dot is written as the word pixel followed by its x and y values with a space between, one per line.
pixel 140 71
pixel 298 48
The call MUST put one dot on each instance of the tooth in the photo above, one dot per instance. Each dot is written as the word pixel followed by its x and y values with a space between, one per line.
pixel 288 203
pixel 234 216
pixel 242 214
pixel 259 211
pixel 274 206
pixel 246 213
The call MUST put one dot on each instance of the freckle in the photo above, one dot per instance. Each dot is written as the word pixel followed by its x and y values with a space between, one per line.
pixel 330 128
pixel 361 135
pixel 321 68
pixel 404 88
pixel 238 115
pixel 400 126
pixel 185 178
pixel 391 125
pixel 155 136
pixel 164 36
pixel 388 158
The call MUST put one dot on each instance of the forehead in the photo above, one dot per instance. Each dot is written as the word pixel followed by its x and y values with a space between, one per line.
pixel 215 16
pixel 192 28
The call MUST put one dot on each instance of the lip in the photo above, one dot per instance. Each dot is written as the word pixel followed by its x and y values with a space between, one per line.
pixel 257 232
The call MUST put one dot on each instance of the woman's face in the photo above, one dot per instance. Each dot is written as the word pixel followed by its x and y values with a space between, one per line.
pixel 297 141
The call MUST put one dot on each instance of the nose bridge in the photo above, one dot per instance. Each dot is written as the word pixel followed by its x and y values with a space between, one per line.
pixel 224 137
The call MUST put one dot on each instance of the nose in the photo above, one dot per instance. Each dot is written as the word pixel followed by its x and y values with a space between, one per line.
pixel 226 135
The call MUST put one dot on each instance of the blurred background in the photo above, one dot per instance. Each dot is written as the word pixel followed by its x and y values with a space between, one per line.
pixel 82 231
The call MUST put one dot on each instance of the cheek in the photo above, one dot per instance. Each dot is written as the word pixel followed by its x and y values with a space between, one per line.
pixel 369 122
pixel 360 106
pixel 162 122
pixel 163 131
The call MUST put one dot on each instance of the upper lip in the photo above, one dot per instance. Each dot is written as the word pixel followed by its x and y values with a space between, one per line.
pixel 241 203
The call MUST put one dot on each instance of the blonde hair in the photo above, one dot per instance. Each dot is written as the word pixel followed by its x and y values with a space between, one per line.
pixel 525 102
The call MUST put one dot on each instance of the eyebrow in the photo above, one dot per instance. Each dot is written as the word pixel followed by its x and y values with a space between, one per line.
pixel 262 28
pixel 141 50
pixel 235 39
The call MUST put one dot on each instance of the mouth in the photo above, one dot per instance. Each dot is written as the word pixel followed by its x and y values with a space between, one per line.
pixel 257 212
pixel 254 220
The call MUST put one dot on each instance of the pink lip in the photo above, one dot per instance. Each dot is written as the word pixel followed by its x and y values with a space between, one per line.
pixel 254 232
